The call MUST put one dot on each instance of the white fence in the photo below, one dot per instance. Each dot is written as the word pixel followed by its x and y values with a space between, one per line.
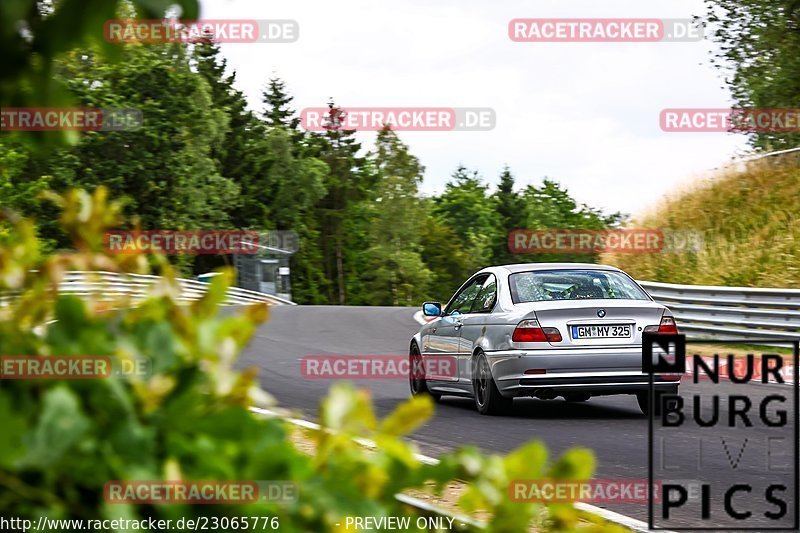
pixel 731 312
pixel 111 286
pixel 701 311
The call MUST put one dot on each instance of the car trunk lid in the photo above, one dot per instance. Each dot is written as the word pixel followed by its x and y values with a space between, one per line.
pixel 597 323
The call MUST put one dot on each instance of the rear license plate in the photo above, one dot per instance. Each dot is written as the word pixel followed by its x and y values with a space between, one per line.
pixel 605 331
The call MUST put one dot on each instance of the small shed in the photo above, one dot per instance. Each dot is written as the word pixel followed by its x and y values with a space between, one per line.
pixel 267 270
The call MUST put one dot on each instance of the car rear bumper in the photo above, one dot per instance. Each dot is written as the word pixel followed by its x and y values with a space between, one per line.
pixel 596 371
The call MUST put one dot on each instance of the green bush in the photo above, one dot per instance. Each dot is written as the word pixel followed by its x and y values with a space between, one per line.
pixel 189 418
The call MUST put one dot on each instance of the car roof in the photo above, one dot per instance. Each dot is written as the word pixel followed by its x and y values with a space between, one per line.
pixel 526 267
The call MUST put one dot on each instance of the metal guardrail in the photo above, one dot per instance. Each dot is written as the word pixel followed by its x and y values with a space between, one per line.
pixel 744 160
pixel 113 286
pixel 770 154
pixel 701 311
pixel 730 312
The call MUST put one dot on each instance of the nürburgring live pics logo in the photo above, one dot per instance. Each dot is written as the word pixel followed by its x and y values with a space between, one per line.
pixel 724 450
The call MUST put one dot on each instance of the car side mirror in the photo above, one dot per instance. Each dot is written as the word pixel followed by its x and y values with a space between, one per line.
pixel 432 309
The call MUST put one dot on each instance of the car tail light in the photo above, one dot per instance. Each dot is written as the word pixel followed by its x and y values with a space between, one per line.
pixel 552 334
pixel 667 325
pixel 531 331
pixel 528 331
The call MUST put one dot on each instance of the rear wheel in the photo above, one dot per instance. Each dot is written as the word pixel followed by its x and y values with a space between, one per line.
pixel 416 373
pixel 488 399
pixel 643 399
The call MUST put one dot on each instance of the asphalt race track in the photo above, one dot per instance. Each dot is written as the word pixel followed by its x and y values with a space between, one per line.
pixel 611 426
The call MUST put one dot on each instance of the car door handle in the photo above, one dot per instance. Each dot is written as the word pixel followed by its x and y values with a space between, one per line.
pixel 458 325
pixel 433 330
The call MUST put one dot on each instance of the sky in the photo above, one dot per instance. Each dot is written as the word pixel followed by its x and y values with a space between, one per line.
pixel 583 114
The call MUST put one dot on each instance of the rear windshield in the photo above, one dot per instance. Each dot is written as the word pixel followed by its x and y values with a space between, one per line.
pixel 546 285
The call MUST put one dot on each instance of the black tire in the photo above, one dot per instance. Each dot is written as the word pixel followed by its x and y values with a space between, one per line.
pixel 488 399
pixel 643 399
pixel 418 385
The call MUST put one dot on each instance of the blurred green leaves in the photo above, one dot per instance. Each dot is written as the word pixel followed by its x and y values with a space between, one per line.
pixel 33 37
pixel 61 425
pixel 758 53
pixel 188 417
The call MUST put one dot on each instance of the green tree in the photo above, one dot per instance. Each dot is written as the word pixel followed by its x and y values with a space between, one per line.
pixel 34 35
pixel 278 102
pixel 348 184
pixel 549 206
pixel 470 211
pixel 395 273
pixel 445 256
pixel 243 155
pixel 760 56
pixel 20 189
pixel 511 216
pixel 298 184
pixel 165 169
pixel 295 186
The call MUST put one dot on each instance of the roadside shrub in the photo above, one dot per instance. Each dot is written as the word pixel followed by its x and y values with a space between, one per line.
pixel 189 417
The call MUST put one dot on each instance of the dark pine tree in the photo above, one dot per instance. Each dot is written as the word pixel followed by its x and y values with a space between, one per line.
pixel 243 156
pixel 511 216
pixel 278 111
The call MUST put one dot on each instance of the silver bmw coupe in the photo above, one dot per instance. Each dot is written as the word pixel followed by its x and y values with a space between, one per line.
pixel 543 330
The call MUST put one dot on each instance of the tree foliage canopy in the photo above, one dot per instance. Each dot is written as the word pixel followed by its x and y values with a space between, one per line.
pixel 205 159
pixel 760 56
